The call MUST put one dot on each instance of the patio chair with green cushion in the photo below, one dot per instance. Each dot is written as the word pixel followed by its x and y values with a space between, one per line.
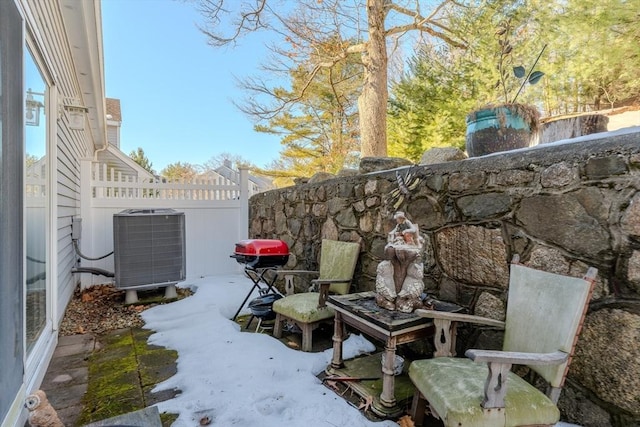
pixel 308 310
pixel 545 312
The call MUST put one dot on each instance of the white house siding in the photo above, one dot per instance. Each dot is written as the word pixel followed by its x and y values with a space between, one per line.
pixel 112 134
pixel 48 25
pixel 118 162
pixel 71 146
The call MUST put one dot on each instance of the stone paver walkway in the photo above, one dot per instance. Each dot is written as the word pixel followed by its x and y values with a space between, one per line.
pixel 91 379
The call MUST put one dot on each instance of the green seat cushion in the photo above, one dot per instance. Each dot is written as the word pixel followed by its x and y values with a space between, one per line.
pixel 302 308
pixel 455 388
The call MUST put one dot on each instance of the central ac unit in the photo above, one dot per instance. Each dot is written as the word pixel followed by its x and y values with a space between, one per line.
pixel 148 248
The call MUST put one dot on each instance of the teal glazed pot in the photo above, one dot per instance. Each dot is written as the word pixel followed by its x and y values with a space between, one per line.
pixel 496 129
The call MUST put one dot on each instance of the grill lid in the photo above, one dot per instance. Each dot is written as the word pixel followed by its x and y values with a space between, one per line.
pixel 262 247
pixel 261 253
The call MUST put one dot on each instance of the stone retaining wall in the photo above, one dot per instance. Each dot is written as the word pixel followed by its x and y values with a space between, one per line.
pixel 562 207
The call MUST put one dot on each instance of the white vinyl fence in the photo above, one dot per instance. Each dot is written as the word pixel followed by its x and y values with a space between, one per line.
pixel 216 217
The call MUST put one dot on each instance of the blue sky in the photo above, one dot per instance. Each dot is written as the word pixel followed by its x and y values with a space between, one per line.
pixel 175 90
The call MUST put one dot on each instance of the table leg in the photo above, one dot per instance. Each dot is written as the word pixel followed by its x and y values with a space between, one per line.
pixel 338 338
pixel 388 397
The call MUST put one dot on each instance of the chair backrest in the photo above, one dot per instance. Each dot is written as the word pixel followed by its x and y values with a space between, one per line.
pixel 338 261
pixel 545 312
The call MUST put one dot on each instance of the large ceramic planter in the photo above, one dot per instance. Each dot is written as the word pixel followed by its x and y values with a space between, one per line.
pixel 492 130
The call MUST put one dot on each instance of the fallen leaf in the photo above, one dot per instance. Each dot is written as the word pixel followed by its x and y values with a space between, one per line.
pixel 406 421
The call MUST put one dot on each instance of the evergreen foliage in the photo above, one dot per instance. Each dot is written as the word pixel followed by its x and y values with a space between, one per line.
pixel 593 55
pixel 180 171
pixel 140 158
pixel 319 133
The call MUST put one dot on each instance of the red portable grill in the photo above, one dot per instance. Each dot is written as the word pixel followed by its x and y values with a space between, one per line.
pixel 260 256
pixel 261 253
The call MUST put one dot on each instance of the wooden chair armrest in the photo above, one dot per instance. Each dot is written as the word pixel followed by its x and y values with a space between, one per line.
pixel 499 364
pixel 459 317
pixel 284 272
pixel 330 281
pixel 517 358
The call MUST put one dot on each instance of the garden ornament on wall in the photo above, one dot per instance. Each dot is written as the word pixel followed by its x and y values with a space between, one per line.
pixel 399 282
pixel 509 125
pixel 406 184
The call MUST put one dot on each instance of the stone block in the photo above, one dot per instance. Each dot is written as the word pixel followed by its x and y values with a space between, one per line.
pixel 378 164
pixel 514 177
pixel 633 270
pixel 569 220
pixel 630 222
pixel 441 155
pixel 490 306
pixel 465 181
pixel 371 187
pixel 484 206
pixel 320 177
pixel 558 175
pixel 607 358
pixel 147 417
pixel 473 254
pixel 576 407
pixel 603 167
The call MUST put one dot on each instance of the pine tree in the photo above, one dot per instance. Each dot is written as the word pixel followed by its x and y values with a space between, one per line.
pixel 140 158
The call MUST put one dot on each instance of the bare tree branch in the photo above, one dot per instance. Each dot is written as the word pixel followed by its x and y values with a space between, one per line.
pixel 306 27
pixel 423 24
pixel 249 20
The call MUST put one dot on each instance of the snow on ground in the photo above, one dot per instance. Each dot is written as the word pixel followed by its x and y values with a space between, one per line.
pixel 243 379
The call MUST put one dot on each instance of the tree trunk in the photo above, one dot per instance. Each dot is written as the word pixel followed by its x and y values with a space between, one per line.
pixel 372 104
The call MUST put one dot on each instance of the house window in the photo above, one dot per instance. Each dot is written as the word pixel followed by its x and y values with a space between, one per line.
pixel 36 210
pixel 11 205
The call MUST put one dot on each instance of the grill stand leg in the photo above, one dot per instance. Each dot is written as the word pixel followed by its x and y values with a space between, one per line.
pixel 257 276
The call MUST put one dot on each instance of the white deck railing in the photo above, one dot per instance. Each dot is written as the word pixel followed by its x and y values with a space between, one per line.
pixel 108 184
pixel 216 215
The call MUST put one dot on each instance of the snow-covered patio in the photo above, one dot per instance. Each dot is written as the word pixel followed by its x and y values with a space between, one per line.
pixel 239 378
pixel 236 378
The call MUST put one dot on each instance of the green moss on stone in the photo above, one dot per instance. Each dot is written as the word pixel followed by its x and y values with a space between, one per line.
pixel 124 338
pixel 119 371
pixel 101 367
pixel 168 419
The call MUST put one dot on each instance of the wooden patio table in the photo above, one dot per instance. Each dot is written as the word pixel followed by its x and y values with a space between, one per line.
pixel 393 328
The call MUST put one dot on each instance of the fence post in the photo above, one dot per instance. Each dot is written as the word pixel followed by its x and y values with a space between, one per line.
pixel 244 203
pixel 85 243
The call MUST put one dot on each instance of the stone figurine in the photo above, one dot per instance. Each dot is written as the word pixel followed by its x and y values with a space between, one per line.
pixel 41 413
pixel 399 282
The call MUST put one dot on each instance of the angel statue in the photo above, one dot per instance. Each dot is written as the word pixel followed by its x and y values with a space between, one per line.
pixel 399 282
